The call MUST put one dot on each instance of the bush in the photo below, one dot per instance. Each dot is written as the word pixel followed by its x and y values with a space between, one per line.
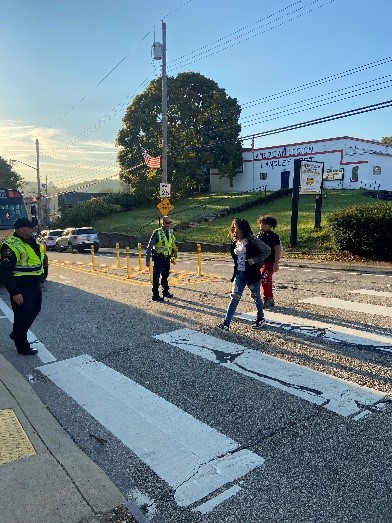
pixel 364 230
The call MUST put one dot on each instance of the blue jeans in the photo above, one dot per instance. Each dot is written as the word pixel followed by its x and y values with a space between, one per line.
pixel 239 285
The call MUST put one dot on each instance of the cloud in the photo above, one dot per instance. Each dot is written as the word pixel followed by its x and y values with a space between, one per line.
pixel 63 158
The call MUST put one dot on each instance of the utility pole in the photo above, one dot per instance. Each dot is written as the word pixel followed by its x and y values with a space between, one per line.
pixel 164 106
pixel 39 204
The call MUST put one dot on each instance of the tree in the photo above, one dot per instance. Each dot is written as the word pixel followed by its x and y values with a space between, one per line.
pixel 9 179
pixel 203 132
pixel 387 140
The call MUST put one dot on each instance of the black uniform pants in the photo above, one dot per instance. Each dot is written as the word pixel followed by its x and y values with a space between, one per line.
pixel 160 271
pixel 25 314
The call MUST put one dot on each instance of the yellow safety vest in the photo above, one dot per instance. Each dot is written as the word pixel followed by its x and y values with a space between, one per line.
pixel 27 261
pixel 164 245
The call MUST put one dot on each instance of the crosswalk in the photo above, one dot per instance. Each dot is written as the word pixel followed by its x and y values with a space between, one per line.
pixel 203 466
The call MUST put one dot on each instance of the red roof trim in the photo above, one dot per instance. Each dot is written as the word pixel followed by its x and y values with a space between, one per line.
pixel 247 149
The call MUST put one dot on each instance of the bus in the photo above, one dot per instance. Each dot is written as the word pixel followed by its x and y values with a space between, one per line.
pixel 12 206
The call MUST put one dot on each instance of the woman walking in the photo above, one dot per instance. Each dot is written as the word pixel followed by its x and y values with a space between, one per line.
pixel 248 253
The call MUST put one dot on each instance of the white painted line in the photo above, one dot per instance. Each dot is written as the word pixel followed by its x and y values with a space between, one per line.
pixel 336 303
pixel 193 458
pixel 43 354
pixel 334 394
pixel 209 505
pixel 370 292
pixel 324 331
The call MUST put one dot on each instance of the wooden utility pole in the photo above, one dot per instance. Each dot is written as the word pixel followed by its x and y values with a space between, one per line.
pixel 164 106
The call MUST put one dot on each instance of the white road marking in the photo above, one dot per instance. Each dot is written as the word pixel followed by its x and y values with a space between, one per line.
pixel 336 303
pixel 43 354
pixel 217 500
pixel 323 330
pixel 342 397
pixel 193 458
pixel 370 292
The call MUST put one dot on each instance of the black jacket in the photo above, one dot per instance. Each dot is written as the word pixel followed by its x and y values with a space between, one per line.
pixel 255 249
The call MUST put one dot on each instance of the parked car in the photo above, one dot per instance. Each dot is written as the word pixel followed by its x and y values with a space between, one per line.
pixel 49 237
pixel 79 238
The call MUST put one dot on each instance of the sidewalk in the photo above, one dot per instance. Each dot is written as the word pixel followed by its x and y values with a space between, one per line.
pixel 44 476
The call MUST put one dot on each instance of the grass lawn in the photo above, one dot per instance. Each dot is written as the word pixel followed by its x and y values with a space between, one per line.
pixel 143 221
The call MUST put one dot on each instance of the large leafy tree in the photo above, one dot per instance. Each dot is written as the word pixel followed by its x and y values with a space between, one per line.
pixel 387 140
pixel 203 133
pixel 9 179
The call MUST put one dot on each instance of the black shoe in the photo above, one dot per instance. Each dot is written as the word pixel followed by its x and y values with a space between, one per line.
pixel 258 324
pixel 28 351
pixel 157 298
pixel 168 294
pixel 223 326
pixel 12 336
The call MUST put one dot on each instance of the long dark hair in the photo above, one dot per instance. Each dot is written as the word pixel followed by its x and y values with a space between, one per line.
pixel 243 226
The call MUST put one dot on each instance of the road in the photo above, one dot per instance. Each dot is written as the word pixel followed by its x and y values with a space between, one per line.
pixel 288 424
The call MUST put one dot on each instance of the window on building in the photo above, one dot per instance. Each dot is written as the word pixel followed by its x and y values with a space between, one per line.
pixel 376 170
pixel 263 176
pixel 354 173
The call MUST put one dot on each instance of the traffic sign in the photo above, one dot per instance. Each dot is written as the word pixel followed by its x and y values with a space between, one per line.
pixel 165 207
pixel 164 190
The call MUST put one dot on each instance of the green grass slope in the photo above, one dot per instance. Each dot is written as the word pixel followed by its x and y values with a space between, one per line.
pixel 141 222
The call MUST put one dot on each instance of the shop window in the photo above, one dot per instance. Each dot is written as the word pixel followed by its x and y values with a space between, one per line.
pixel 354 173
pixel 376 170
pixel 263 176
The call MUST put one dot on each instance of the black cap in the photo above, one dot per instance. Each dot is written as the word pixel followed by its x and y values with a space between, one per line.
pixel 23 222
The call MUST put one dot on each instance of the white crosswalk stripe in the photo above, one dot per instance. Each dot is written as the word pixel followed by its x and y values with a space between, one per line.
pixel 334 394
pixel 193 458
pixel 336 303
pixel 324 331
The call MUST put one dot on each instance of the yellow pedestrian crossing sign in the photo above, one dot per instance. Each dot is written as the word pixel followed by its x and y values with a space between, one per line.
pixel 165 206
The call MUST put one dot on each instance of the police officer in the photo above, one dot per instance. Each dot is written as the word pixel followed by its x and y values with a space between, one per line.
pixel 163 250
pixel 24 271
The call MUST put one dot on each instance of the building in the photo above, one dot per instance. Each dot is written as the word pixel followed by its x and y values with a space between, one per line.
pixel 349 163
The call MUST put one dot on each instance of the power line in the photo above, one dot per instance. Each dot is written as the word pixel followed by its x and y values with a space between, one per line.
pixel 323 119
pixel 284 111
pixel 320 81
pixel 204 54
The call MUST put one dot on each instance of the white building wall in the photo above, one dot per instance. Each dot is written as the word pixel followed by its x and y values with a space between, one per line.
pixel 364 163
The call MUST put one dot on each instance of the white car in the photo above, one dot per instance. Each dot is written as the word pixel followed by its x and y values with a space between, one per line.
pixel 49 237
pixel 78 238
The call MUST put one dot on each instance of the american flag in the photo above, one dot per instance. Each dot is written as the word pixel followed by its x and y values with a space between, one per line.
pixel 151 161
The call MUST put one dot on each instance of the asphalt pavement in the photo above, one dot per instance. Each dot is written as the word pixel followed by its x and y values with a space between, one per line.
pixel 44 476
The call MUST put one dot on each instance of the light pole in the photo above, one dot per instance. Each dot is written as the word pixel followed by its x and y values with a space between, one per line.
pixel 38 180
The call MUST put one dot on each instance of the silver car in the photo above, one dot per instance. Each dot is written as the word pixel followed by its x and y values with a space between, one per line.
pixel 78 238
pixel 49 237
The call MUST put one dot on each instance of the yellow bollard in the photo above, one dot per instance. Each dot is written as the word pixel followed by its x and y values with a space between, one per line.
pixel 139 248
pixel 199 260
pixel 128 262
pixel 93 257
pixel 118 255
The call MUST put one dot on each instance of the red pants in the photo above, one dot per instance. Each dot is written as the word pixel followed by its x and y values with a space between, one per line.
pixel 267 271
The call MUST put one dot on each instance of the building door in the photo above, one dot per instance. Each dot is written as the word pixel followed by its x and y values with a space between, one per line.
pixel 285 179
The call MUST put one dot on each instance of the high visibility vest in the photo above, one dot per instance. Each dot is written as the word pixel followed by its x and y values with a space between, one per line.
pixel 165 245
pixel 27 261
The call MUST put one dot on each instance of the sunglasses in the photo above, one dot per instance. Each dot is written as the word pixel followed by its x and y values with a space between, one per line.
pixel 167 222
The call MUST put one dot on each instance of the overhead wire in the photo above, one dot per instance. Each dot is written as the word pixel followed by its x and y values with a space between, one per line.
pixel 316 102
pixel 221 47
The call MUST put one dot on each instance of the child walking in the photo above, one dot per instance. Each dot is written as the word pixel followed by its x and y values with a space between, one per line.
pixel 271 263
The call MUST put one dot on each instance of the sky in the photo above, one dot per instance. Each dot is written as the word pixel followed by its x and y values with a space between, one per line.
pixel 71 68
